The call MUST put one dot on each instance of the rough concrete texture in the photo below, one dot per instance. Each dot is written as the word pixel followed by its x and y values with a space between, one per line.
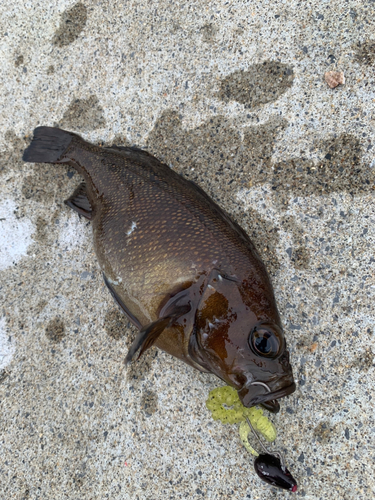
pixel 232 95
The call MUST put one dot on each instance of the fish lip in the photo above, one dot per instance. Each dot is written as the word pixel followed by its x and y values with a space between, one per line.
pixel 270 396
pixel 266 397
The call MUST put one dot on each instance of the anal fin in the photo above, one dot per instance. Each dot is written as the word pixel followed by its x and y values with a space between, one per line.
pixel 80 202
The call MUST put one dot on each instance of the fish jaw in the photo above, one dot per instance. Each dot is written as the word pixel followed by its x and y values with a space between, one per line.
pixel 255 393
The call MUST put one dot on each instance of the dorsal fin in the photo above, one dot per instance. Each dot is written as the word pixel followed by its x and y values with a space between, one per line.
pixel 80 202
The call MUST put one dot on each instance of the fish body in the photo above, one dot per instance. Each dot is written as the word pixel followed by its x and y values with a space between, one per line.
pixel 185 274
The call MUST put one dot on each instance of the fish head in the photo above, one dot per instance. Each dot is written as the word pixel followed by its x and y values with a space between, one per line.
pixel 244 348
pixel 267 369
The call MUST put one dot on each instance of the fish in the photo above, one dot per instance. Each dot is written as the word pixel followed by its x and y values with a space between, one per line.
pixel 178 266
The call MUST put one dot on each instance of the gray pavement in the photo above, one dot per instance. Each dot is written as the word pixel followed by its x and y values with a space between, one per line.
pixel 231 95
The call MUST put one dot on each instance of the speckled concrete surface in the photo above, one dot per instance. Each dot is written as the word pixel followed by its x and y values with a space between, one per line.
pixel 232 95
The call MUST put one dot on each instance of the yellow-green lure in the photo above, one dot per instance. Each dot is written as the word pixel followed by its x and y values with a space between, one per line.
pixel 225 405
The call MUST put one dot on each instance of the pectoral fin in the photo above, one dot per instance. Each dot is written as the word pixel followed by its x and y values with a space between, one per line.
pixel 149 333
pixel 80 202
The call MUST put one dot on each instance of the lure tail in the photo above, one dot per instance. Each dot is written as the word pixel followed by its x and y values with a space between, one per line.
pixel 48 145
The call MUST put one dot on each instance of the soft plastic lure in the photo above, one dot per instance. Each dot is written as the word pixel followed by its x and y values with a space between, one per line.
pixel 224 405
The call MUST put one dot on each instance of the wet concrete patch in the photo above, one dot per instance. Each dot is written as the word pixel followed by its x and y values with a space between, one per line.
pixel 40 306
pixel 298 253
pixel 149 402
pixel 43 183
pixel 300 257
pixel 260 84
pixel 365 52
pixel 118 142
pixel 18 61
pixel 32 188
pixel 215 153
pixel 365 361
pixel 138 371
pixel 41 234
pixel 116 324
pixel 324 432
pixel 11 157
pixel 55 330
pixel 341 169
pixel 3 375
pixel 83 114
pixel 39 182
pixel 208 32
pixel 72 23
pixel 265 237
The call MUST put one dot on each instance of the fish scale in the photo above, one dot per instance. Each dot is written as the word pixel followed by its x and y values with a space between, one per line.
pixel 155 198
pixel 185 274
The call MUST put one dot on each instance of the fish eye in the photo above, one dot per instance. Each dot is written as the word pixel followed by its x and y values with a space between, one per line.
pixel 264 342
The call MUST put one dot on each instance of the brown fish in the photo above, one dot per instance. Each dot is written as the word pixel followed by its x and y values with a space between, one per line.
pixel 178 266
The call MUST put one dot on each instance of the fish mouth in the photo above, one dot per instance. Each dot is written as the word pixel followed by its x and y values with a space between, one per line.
pixel 250 396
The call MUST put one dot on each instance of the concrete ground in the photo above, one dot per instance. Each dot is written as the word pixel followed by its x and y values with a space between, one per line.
pixel 232 95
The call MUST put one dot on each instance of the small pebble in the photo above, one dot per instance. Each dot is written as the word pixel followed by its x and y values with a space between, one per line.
pixel 334 78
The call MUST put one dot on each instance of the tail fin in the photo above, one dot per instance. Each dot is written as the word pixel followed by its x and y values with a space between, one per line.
pixel 48 145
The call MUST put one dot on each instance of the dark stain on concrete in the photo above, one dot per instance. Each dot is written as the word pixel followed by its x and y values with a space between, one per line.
pixel 11 157
pixel 41 234
pixel 265 237
pixel 324 432
pixel 149 402
pixel 83 114
pixel 118 141
pixel 3 374
pixel 116 324
pixel 43 182
pixel 365 361
pixel 300 257
pixel 34 188
pixel 217 151
pixel 340 169
pixel 258 147
pixel 72 23
pixel 50 69
pixel 55 330
pixel 260 84
pixel 208 32
pixel 40 306
pixel 18 61
pixel 137 373
pixel 298 253
pixel 40 181
pixel 365 52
